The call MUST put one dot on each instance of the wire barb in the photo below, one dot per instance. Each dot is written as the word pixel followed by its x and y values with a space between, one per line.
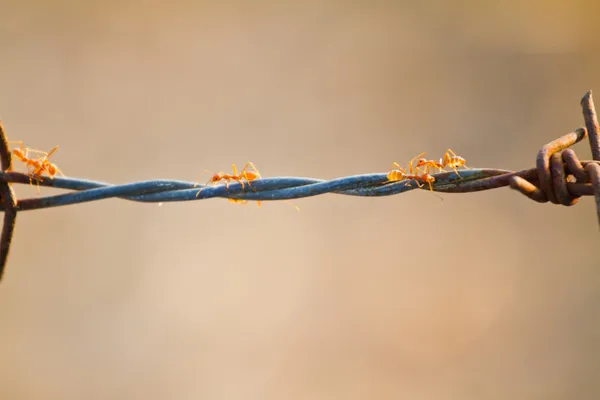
pixel 591 123
pixel 551 181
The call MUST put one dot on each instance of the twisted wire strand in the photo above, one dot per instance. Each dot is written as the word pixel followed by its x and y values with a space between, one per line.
pixel 551 181
pixel 266 189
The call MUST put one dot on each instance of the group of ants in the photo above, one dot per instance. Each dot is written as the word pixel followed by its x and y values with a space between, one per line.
pixel 39 165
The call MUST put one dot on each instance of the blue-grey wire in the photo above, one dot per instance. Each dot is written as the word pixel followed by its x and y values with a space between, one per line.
pixel 267 189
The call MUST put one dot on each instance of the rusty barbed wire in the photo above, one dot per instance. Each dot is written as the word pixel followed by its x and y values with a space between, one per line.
pixel 9 203
pixel 559 177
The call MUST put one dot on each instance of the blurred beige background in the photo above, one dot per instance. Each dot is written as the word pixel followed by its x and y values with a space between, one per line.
pixel 481 296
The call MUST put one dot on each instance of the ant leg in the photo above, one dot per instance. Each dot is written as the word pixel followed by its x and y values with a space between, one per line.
pixel 26 150
pixel 20 144
pixel 250 164
pixel 234 169
pixel 438 196
pixel 249 185
pixel 411 162
pixel 455 170
pixel 203 171
pixel 238 201
pixel 446 159
pixel 37 178
pixel 451 152
pixel 235 178
pixel 245 168
pixel 207 184
pixel 59 171
pixel 293 205
pixel 244 173
pixel 416 181
pixel 50 152
pixel 398 168
pixel 432 192
pixel 33 173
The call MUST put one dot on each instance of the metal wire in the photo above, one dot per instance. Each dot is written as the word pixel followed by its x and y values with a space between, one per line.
pixel 552 180
pixel 9 202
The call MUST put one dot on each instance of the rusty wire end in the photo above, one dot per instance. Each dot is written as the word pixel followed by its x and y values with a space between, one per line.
pixel 9 202
pixel 591 122
pixel 555 164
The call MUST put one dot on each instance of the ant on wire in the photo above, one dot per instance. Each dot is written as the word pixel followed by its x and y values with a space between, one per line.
pixel 450 159
pixel 244 174
pixel 37 167
pixel 400 174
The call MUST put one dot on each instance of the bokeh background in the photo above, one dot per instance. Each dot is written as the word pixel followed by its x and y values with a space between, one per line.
pixel 482 296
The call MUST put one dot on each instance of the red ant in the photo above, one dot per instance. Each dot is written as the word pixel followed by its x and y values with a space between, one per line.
pixel 450 159
pixel 400 174
pixel 38 166
pixel 50 168
pixel 245 174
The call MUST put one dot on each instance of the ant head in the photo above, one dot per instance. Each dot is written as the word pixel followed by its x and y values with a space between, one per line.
pixel 216 177
pixel 19 154
pixel 421 162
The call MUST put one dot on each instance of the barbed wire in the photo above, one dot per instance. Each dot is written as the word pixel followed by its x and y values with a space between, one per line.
pixel 559 177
